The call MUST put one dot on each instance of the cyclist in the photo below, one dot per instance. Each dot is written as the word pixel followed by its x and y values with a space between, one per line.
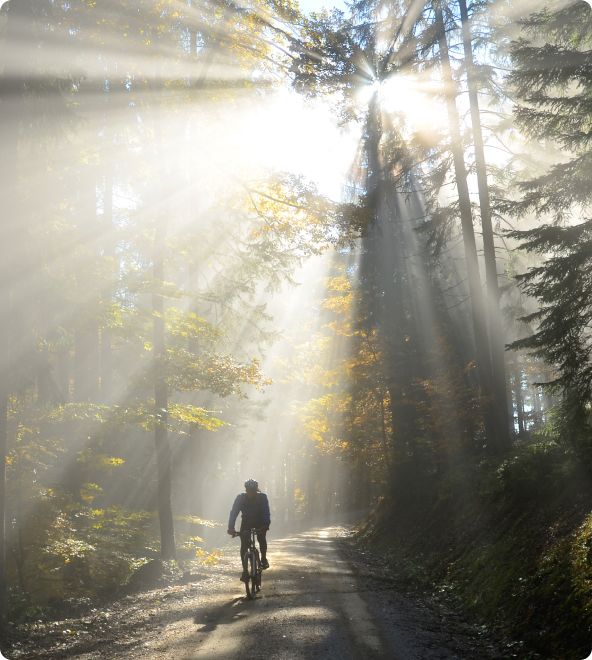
pixel 254 509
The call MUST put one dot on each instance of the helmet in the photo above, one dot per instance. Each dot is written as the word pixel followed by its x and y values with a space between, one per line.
pixel 251 484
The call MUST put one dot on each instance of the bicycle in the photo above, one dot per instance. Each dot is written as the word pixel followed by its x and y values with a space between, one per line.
pixel 253 563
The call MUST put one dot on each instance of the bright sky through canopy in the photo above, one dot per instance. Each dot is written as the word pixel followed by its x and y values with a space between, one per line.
pixel 318 5
pixel 291 133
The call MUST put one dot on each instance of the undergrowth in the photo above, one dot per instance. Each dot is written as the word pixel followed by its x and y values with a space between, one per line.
pixel 510 540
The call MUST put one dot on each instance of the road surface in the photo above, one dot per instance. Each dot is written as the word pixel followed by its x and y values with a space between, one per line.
pixel 313 604
pixel 321 598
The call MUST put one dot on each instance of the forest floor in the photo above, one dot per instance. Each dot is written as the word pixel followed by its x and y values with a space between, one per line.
pixel 323 597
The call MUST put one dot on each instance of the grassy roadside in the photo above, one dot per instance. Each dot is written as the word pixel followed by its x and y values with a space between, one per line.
pixel 512 545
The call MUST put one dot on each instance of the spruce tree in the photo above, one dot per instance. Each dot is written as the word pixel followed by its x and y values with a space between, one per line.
pixel 552 80
pixel 553 83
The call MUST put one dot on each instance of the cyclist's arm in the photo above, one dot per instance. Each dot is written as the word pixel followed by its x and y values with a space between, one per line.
pixel 234 512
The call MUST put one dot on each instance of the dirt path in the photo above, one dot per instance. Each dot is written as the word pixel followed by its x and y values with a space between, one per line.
pixel 314 604
pixel 309 607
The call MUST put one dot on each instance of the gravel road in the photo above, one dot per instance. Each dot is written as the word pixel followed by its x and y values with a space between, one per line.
pixel 313 604
pixel 321 598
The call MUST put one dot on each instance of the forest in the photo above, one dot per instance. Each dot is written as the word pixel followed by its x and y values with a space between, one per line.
pixel 344 249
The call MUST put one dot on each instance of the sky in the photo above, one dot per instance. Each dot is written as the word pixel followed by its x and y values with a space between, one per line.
pixel 318 5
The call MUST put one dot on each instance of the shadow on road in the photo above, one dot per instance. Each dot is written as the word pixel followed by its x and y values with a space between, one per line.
pixel 228 613
pixel 308 608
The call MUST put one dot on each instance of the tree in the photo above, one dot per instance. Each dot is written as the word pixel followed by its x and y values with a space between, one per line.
pixel 14 87
pixel 563 288
pixel 495 431
pixel 404 178
pixel 553 81
pixel 10 107
pixel 167 353
pixel 496 337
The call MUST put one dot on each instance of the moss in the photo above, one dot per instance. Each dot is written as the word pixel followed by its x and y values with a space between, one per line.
pixel 581 564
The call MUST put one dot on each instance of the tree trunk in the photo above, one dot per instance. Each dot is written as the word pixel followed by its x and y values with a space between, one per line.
pixel 536 403
pixel 10 113
pixel 388 459
pixel 496 334
pixel 386 279
pixel 519 399
pixel 492 426
pixel 161 441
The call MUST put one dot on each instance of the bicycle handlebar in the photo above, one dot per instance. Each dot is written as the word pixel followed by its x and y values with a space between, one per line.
pixel 248 531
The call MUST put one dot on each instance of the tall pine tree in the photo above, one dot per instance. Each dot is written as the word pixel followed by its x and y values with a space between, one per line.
pixel 553 82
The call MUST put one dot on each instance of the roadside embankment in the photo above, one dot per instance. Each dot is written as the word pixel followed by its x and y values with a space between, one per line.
pixel 510 543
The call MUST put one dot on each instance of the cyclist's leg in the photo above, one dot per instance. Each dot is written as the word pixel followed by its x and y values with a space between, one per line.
pixel 243 549
pixel 261 537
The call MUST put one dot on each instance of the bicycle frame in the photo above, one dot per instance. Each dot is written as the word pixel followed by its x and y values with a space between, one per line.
pixel 253 562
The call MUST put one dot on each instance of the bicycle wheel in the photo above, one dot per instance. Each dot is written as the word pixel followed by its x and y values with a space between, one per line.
pixel 251 583
pixel 258 571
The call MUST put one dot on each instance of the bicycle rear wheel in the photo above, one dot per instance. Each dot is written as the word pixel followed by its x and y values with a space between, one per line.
pixel 251 583
pixel 258 571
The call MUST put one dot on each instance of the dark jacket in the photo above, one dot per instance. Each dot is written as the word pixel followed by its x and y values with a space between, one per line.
pixel 255 511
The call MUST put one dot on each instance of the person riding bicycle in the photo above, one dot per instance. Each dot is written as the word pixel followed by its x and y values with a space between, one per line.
pixel 253 506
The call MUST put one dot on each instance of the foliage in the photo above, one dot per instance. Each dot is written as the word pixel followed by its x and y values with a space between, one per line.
pixel 92 118
pixel 563 286
pixel 515 558
pixel 553 105
pixel 536 470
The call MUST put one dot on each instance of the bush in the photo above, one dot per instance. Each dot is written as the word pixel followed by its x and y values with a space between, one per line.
pixel 535 470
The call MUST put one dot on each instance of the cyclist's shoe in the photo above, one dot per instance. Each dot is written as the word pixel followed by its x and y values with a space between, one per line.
pixel 264 564
pixel 245 576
